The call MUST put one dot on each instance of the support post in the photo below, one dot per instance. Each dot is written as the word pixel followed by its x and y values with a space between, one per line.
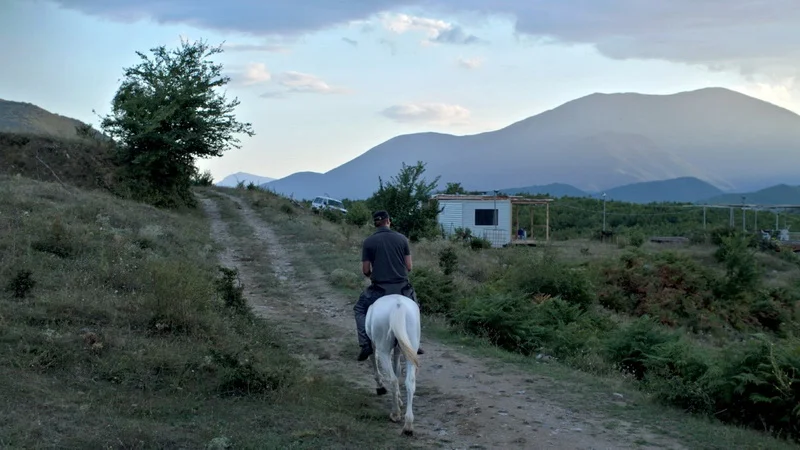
pixel 704 217
pixel 547 222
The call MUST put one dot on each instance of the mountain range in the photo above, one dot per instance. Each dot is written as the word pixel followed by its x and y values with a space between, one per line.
pixel 27 118
pixel 588 152
pixel 598 142
pixel 233 179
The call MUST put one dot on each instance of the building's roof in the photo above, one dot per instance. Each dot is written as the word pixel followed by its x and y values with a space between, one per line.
pixel 491 198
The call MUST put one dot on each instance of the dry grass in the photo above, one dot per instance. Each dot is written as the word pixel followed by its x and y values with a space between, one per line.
pixel 336 249
pixel 122 340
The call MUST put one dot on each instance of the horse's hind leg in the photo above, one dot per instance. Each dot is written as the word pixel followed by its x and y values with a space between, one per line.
pixel 379 389
pixel 411 386
pixel 398 370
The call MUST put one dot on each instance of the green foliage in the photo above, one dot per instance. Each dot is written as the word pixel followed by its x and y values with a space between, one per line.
pixel 166 113
pixel 203 179
pixel 407 199
pixel 231 290
pixel 21 284
pixel 637 238
pixel 673 288
pixel 632 345
pixel 448 260
pixel 332 215
pixel 358 214
pixel 454 189
pixel 435 291
pixel 528 275
pixel 742 272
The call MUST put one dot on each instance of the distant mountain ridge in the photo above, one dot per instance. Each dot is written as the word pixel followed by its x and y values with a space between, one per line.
pixel 598 142
pixel 781 194
pixel 233 179
pixel 27 118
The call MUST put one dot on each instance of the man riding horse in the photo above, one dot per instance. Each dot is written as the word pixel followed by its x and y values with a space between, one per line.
pixel 386 261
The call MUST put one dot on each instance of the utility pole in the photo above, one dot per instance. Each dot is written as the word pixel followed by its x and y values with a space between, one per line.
pixel 704 217
pixel 730 221
pixel 744 224
pixel 496 218
pixel 604 212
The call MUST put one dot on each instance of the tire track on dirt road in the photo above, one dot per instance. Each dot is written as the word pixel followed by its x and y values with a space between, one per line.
pixel 460 402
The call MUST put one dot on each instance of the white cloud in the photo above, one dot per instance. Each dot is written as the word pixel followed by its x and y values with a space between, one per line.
pixel 254 73
pixel 437 31
pixel 756 37
pixel 430 113
pixel 303 82
pixel 267 48
pixel 470 63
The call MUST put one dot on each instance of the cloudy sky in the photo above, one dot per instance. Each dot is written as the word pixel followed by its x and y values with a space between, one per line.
pixel 322 81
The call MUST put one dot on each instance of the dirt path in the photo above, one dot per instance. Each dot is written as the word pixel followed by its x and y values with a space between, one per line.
pixel 460 401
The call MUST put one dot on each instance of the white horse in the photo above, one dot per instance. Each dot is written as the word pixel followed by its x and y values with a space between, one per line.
pixel 393 322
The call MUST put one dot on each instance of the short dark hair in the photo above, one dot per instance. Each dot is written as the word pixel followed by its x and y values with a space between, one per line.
pixel 380 216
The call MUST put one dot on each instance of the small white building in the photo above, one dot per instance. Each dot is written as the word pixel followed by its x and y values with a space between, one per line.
pixel 488 217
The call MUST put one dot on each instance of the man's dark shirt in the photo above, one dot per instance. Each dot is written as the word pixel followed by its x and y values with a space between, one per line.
pixel 386 249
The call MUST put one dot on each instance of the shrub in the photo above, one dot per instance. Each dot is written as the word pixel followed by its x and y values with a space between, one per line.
pixel 637 239
pixel 21 285
pixel 358 214
pixel 435 291
pixel 527 275
pixel 203 179
pixel 630 346
pixel 670 287
pixel 231 290
pixel 479 243
pixel 448 260
pixel 742 271
pixel 331 215
pixel 286 208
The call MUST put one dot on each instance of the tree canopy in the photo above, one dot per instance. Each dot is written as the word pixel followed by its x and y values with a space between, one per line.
pixel 407 198
pixel 167 113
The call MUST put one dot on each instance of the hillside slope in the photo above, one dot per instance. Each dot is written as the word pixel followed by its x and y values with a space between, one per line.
pixel 593 143
pixel 27 118
pixel 683 190
pixel 781 194
pixel 244 177
pixel 84 163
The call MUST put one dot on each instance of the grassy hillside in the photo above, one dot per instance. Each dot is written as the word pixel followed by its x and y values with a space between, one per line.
pixel 85 163
pixel 27 118
pixel 116 330
pixel 708 329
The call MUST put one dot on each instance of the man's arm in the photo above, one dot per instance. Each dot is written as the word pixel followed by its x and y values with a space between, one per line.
pixel 366 260
pixel 366 268
pixel 407 253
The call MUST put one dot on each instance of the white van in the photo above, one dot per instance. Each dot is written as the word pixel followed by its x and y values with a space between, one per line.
pixel 321 203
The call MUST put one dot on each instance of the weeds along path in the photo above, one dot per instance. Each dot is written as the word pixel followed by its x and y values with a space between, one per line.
pixel 461 402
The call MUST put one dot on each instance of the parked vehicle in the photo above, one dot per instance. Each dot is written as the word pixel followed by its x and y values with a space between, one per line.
pixel 321 203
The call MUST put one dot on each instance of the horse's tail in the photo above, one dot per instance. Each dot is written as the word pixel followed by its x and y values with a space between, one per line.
pixel 397 324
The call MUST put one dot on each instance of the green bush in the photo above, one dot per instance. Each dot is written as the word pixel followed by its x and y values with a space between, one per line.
pixel 331 215
pixel 448 260
pixel 631 346
pixel 637 238
pixel 435 291
pixel 546 275
pixel 358 214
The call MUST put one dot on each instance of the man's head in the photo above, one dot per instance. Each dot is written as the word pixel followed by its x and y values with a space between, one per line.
pixel 381 218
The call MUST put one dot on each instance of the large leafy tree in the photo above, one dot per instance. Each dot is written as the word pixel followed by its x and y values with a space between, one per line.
pixel 168 112
pixel 407 198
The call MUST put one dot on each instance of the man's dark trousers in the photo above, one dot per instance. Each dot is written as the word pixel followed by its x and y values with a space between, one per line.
pixel 372 293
